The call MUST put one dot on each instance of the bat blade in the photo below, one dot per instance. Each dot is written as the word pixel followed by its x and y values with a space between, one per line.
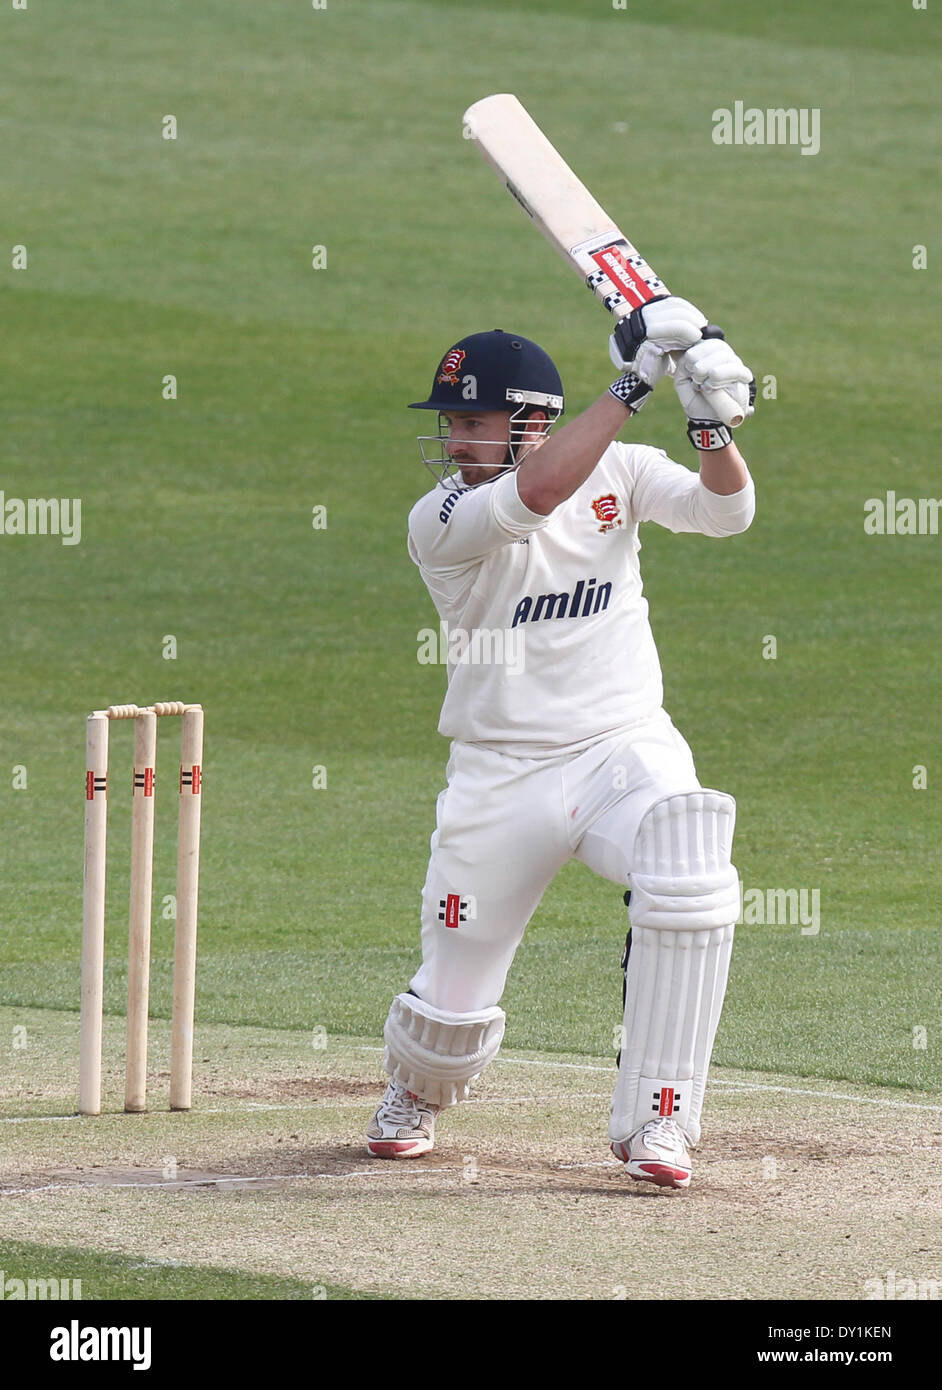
pixel 551 195
pixel 559 204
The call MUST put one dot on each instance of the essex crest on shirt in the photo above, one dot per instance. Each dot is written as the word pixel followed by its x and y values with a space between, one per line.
pixel 608 511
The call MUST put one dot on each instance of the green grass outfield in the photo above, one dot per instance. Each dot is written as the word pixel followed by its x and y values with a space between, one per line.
pixel 124 1277
pixel 192 257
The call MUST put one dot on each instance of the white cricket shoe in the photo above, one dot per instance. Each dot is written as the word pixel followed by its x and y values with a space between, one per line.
pixel 657 1152
pixel 403 1126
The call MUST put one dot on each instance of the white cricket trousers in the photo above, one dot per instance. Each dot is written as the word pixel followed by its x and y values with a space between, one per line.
pixel 505 827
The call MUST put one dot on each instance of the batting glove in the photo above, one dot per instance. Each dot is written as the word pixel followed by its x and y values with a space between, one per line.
pixel 643 338
pixel 711 381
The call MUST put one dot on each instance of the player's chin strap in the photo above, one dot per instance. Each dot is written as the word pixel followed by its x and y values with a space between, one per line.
pixel 435 1054
pixel 684 902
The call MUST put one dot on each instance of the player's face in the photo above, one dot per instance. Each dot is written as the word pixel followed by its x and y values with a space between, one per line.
pixel 477 443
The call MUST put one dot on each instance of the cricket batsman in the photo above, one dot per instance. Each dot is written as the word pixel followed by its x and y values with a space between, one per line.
pixel 568 753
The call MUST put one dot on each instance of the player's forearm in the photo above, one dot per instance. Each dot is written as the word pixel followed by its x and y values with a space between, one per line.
pixel 553 472
pixel 723 471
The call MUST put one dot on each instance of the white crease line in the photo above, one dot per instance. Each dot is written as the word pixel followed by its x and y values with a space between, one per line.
pixel 528 1062
pixel 238 1180
pixel 567 1066
pixel 179 1184
pixel 302 1106
pixel 741 1085
pixel 248 1109
pixel 262 1107
pixel 828 1095
pixel 115 1114
pixel 596 1163
pixel 538 1100
pixel 34 1119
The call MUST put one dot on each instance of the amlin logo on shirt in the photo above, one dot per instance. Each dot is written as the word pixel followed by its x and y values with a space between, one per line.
pixel 585 601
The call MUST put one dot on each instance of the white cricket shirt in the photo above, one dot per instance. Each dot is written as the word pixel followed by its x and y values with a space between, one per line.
pixel 546 613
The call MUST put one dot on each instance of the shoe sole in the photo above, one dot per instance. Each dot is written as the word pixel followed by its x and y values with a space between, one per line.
pixel 648 1170
pixel 398 1148
pixel 660 1174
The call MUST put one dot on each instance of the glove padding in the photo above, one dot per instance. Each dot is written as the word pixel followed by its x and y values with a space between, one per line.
pixel 644 337
pixel 708 372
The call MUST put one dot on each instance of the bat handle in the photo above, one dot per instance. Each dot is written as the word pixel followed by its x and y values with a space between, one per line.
pixel 722 402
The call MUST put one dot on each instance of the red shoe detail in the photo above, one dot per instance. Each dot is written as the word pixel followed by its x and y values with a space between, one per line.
pixel 397 1148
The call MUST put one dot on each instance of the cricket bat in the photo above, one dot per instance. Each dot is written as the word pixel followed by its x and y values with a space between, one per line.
pixel 541 181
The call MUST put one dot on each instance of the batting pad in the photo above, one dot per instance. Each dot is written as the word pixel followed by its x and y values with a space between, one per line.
pixel 436 1054
pixel 684 902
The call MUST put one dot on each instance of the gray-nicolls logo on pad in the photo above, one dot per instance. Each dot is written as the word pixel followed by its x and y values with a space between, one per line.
pixel 454 909
pixel 666 1101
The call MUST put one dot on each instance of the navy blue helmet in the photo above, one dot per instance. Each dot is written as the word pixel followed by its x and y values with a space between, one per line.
pixel 495 371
